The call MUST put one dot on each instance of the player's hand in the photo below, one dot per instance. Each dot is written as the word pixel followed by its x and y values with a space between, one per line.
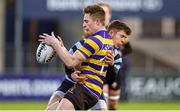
pixel 50 39
pixel 61 42
pixel 77 78
pixel 109 58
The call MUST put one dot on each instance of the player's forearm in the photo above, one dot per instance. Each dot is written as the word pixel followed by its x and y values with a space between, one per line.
pixel 64 55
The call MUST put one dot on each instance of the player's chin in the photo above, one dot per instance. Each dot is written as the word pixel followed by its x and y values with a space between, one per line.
pixel 87 33
pixel 85 30
pixel 118 45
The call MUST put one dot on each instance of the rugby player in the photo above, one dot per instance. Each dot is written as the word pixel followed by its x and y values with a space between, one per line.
pixel 69 82
pixel 88 59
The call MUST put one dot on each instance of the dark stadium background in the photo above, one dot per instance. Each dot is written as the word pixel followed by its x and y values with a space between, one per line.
pixel 151 72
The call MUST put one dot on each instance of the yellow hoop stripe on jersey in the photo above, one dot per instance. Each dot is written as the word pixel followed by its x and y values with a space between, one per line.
pixel 97 62
pixel 93 70
pixel 93 44
pixel 88 53
pixel 93 87
pixel 105 41
pixel 92 76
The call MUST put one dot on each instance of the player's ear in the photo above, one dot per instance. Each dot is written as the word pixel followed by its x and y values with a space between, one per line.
pixel 111 33
pixel 98 21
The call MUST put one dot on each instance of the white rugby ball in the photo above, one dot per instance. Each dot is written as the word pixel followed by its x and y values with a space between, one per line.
pixel 44 53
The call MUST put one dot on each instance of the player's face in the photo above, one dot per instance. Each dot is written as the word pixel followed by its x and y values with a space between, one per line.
pixel 118 38
pixel 89 25
pixel 107 15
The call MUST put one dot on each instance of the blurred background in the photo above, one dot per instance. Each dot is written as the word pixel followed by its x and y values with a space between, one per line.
pixel 151 72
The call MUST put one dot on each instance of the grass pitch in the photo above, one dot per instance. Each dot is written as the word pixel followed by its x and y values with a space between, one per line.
pixel 22 105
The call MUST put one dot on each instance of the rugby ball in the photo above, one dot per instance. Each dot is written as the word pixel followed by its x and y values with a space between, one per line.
pixel 44 53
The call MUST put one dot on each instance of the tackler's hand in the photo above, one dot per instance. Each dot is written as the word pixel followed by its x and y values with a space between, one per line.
pixel 109 58
pixel 75 76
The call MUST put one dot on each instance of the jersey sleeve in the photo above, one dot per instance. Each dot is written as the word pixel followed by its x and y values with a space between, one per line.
pixel 117 61
pixel 68 71
pixel 113 71
pixel 76 46
pixel 90 46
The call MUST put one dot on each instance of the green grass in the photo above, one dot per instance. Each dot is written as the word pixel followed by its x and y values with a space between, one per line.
pixel 122 106
pixel 22 105
pixel 149 106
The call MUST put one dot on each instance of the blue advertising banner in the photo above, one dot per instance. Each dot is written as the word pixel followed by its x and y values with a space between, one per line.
pixel 63 9
pixel 154 87
pixel 28 87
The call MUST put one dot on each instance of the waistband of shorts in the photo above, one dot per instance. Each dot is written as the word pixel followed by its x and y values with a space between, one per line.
pixel 97 96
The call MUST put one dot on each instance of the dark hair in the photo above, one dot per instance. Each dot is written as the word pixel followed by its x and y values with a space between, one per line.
pixel 96 12
pixel 127 49
pixel 118 25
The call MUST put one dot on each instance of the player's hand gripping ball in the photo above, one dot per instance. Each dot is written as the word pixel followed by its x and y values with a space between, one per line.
pixel 44 53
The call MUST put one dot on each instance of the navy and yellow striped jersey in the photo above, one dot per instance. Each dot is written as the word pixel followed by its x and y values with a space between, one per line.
pixel 77 45
pixel 117 61
pixel 94 67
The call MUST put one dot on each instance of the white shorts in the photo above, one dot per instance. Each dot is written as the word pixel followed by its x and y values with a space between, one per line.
pixel 101 104
pixel 59 93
